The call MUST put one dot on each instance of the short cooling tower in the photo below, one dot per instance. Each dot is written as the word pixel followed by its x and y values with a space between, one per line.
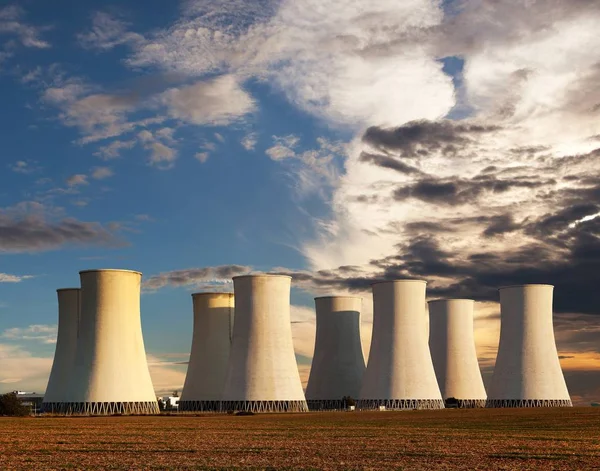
pixel 400 372
pixel 64 355
pixel 452 346
pixel 205 379
pixel 527 371
pixel 111 372
pixel 338 363
pixel 262 374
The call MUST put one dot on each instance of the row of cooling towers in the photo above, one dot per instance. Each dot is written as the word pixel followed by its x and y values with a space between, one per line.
pixel 100 363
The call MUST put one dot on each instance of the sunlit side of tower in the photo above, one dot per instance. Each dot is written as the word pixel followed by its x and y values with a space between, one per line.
pixel 452 346
pixel 338 363
pixel 400 372
pixel 64 356
pixel 211 342
pixel 527 371
pixel 262 374
pixel 111 373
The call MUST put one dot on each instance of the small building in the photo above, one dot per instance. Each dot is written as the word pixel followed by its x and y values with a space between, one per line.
pixel 30 399
pixel 171 403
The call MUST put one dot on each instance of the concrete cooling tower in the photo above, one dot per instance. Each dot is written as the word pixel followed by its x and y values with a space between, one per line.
pixel 452 346
pixel 111 373
pixel 527 371
pixel 262 374
pixel 400 372
pixel 338 363
pixel 205 379
pixel 64 355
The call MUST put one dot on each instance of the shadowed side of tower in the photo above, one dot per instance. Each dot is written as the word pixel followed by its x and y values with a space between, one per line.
pixel 69 306
pixel 262 374
pixel 111 373
pixel 211 342
pixel 400 372
pixel 452 345
pixel 338 363
pixel 527 371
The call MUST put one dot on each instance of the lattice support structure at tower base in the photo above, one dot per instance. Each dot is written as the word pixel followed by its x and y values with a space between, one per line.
pixel 326 404
pixel 401 404
pixel 101 408
pixel 507 403
pixel 264 406
pixel 471 403
pixel 199 406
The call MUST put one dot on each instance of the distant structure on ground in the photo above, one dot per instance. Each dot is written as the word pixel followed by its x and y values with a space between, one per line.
pixel 111 372
pixel 527 372
pixel 69 307
pixel 338 363
pixel 207 368
pixel 400 372
pixel 262 373
pixel 452 346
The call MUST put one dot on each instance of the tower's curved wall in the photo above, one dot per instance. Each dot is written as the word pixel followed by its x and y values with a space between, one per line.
pixel 64 355
pixel 111 372
pixel 338 363
pixel 262 374
pixel 452 346
pixel 207 368
pixel 400 372
pixel 527 371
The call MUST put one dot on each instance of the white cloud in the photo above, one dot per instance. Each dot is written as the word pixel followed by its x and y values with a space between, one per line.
pixel 216 102
pixel 167 375
pixel 24 167
pixel 106 33
pixel 249 141
pixel 77 180
pixel 162 156
pixel 37 332
pixel 350 62
pixel 202 157
pixel 11 23
pixel 99 173
pixel 22 370
pixel 113 150
pixel 6 278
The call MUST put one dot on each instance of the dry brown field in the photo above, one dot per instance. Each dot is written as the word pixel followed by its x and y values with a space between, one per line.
pixel 499 439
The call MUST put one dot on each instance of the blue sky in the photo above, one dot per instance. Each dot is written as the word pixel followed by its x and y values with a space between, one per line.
pixel 275 135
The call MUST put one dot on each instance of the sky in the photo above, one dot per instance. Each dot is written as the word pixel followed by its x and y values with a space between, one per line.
pixel 340 142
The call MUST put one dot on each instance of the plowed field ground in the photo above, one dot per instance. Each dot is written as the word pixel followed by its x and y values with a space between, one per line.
pixel 500 439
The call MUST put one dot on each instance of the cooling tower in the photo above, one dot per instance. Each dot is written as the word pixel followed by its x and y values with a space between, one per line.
pixel 262 374
pixel 111 373
pixel 64 355
pixel 400 372
pixel 452 346
pixel 205 379
pixel 338 363
pixel 527 371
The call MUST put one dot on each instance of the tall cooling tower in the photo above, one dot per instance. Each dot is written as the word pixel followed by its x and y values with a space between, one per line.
pixel 527 371
pixel 338 363
pixel 205 379
pixel 400 372
pixel 111 372
pixel 64 355
pixel 452 346
pixel 262 374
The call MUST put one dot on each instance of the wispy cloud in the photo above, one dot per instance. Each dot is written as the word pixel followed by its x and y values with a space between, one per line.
pixel 6 278
pixel 37 332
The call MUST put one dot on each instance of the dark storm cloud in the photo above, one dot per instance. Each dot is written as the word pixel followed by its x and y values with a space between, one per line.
pixel 420 138
pixel 385 161
pixel 500 225
pixel 455 191
pixel 33 233
pixel 195 276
